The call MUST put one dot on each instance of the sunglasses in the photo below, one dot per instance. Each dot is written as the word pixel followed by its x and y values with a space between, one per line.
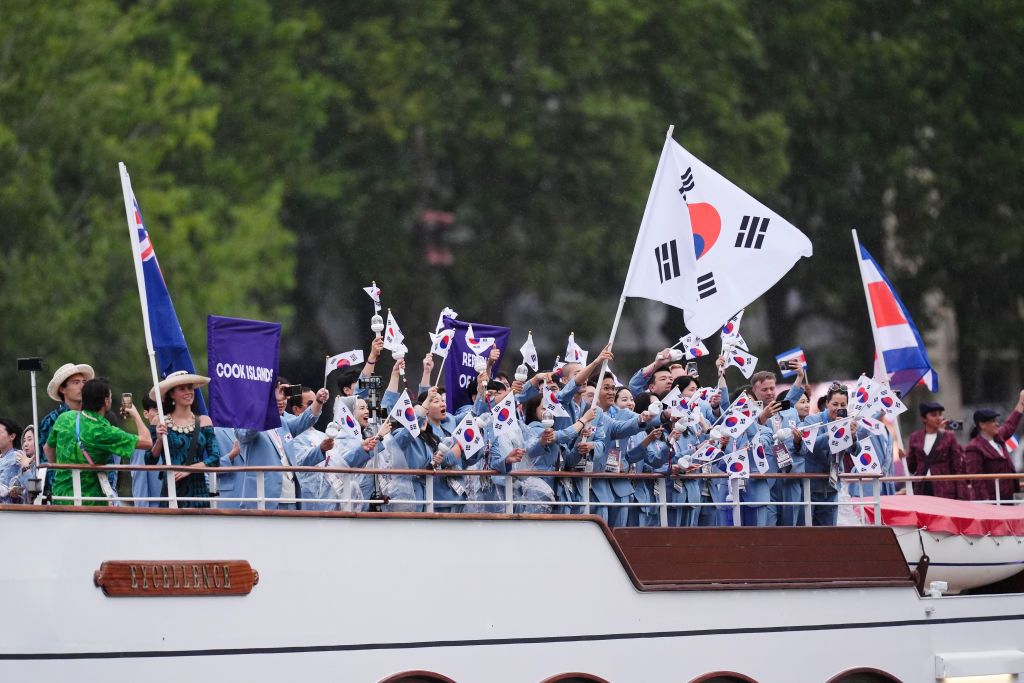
pixel 836 387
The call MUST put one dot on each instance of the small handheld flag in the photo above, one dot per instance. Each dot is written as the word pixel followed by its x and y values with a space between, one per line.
pixel 504 414
pixel 529 352
pixel 405 414
pixel 373 291
pixel 693 346
pixel 478 344
pixel 393 336
pixel 468 435
pixel 345 421
pixel 741 359
pixel 441 342
pixel 840 436
pixel 573 352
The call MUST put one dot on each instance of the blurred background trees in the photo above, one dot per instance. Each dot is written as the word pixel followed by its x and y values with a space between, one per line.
pixel 496 157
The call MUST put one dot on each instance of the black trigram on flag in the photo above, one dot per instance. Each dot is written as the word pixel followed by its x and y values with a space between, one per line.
pixel 687 185
pixel 668 261
pixel 706 285
pixel 752 232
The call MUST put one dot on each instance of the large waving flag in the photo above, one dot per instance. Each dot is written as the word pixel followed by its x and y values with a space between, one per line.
pixel 158 316
pixel 898 344
pixel 705 245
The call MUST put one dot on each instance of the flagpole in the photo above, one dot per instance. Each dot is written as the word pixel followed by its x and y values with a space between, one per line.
pixel 878 353
pixel 440 370
pixel 129 210
pixel 629 273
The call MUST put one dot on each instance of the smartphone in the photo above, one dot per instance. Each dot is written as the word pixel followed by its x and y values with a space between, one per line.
pixel 293 390
pixel 691 369
pixel 30 364
pixel 126 403
pixel 785 404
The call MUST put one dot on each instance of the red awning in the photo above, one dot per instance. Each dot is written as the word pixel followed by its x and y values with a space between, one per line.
pixel 944 514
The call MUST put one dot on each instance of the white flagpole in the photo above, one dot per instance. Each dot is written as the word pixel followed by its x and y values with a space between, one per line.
pixel 129 210
pixel 878 351
pixel 629 273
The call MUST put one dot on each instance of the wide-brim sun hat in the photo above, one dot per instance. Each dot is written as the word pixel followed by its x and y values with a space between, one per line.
pixel 62 375
pixel 176 379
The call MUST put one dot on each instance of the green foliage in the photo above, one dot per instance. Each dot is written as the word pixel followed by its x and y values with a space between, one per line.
pixel 284 153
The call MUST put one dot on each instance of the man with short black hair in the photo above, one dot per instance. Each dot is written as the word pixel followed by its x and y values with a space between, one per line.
pixel 86 437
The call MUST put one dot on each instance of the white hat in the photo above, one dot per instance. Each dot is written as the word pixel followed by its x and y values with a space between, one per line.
pixel 178 378
pixel 63 373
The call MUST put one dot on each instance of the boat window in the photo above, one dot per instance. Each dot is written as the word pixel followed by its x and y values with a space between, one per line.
pixel 417 677
pixel 574 678
pixel 723 677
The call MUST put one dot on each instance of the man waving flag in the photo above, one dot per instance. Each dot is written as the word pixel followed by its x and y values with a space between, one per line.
pixel 705 245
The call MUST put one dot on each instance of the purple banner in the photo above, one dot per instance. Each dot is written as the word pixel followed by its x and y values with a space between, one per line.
pixel 459 373
pixel 243 363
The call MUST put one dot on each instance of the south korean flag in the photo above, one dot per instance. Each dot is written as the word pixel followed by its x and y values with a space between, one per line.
pixel 866 459
pixel 468 435
pixel 693 347
pixel 549 402
pixel 840 435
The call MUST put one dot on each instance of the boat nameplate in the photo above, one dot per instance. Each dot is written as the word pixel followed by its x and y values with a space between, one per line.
pixel 167 578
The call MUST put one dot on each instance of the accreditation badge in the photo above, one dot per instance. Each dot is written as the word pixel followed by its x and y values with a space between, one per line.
pixel 614 461
pixel 782 456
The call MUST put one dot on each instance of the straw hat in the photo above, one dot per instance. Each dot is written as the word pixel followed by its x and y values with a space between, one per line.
pixel 63 373
pixel 176 379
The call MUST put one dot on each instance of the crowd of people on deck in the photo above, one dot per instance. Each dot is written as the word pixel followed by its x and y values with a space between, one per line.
pixel 602 427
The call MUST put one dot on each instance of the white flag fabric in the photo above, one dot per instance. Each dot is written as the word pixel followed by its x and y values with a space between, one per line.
pixel 889 402
pixel 693 346
pixel 393 336
pixel 736 421
pixel 529 352
pixel 445 313
pixel 478 344
pixel 405 413
pixel 737 465
pixel 440 342
pixel 705 393
pixel 468 435
pixel 731 328
pixel 503 415
pixel 707 452
pixel 574 353
pixel 760 459
pixel 840 436
pixel 550 403
pixel 343 360
pixel 705 245
pixel 809 434
pixel 373 291
pixel 865 396
pixel 866 459
pixel 671 400
pixel 345 420
pixel 874 426
pixel 741 359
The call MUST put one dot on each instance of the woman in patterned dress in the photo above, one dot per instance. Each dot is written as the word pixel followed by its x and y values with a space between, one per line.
pixel 190 438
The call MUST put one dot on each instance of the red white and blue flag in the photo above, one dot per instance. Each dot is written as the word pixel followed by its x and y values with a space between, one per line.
pixel 441 342
pixel 342 360
pixel 1012 444
pixel 784 358
pixel 345 420
pixel 897 340
pixel 172 352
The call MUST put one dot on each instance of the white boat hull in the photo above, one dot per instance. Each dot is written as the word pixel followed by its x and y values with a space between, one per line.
pixel 963 562
pixel 349 599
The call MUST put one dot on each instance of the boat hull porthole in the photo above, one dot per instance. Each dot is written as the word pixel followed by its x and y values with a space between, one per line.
pixel 417 677
pixel 724 677
pixel 864 676
pixel 574 678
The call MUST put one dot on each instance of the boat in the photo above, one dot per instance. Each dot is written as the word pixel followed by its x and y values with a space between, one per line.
pixel 962 544
pixel 125 593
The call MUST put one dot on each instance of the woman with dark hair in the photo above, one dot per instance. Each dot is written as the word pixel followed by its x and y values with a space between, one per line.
pixel 986 453
pixel 189 436
pixel 11 488
pixel 552 450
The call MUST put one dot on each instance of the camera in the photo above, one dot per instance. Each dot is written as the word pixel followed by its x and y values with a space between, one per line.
pixel 955 425
pixel 30 364
pixel 842 412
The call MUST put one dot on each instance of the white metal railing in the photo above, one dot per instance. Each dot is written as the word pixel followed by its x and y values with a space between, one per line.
pixel 508 502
